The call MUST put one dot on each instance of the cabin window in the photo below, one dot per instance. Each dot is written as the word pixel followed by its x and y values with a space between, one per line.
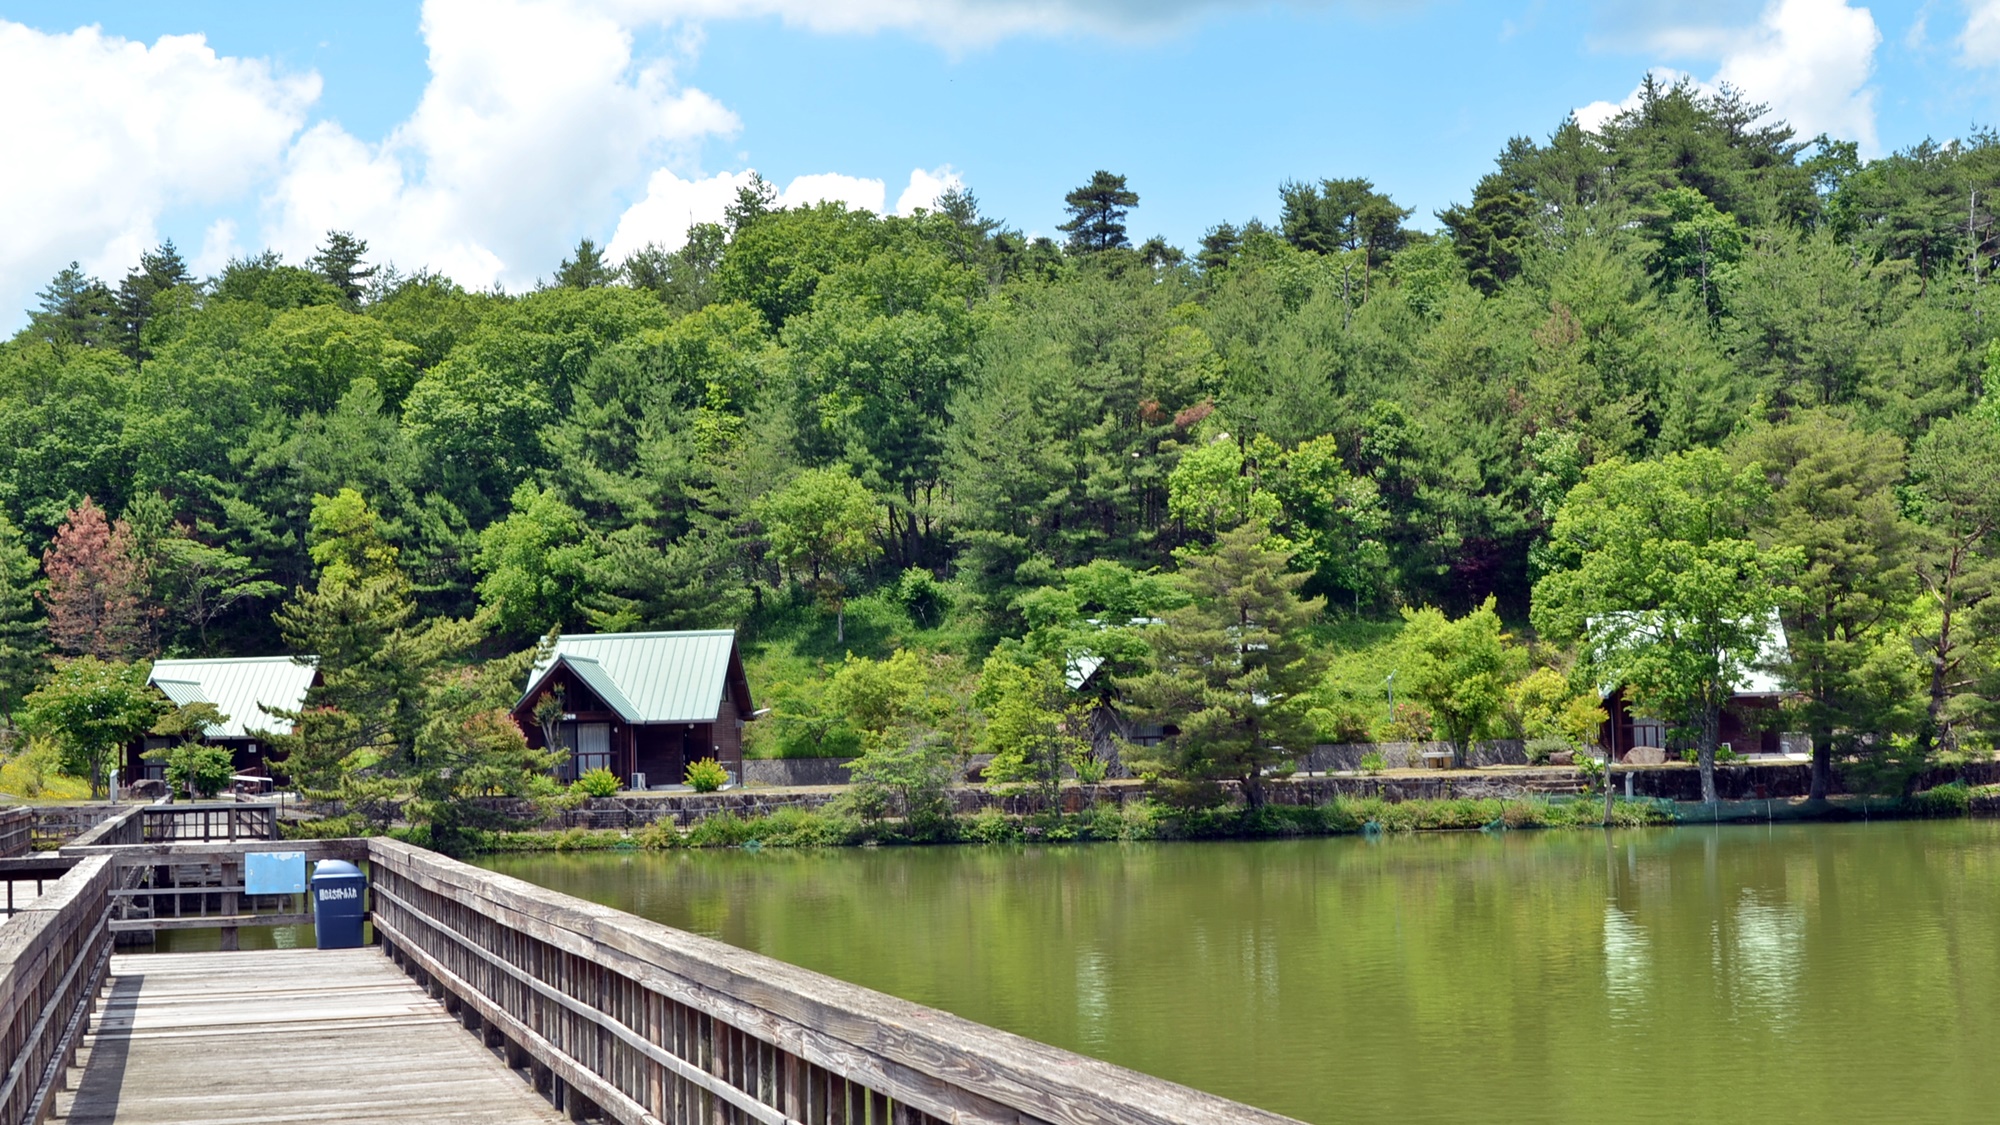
pixel 1649 732
pixel 593 747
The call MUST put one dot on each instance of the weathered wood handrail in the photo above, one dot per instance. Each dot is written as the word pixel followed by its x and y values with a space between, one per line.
pixel 17 831
pixel 649 1024
pixel 21 872
pixel 123 828
pixel 53 957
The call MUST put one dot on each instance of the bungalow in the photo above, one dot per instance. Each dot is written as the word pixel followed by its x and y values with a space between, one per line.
pixel 245 691
pixel 642 705
pixel 1749 723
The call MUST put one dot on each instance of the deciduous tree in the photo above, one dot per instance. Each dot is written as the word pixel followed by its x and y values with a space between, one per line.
pixel 95 593
pixel 92 709
pixel 1657 576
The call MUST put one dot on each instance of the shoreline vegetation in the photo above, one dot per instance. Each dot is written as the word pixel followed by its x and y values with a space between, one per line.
pixel 1149 820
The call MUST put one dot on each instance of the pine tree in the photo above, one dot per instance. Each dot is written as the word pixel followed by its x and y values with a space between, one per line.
pixel 585 269
pixel 159 270
pixel 76 309
pixel 22 640
pixel 339 261
pixel 96 587
pixel 376 660
pixel 1097 213
pixel 1230 671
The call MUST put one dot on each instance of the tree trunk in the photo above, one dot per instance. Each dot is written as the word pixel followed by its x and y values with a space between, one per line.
pixel 1253 788
pixel 1822 769
pixel 1705 754
pixel 1461 753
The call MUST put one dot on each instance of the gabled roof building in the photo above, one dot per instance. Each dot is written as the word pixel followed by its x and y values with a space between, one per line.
pixel 246 690
pixel 642 705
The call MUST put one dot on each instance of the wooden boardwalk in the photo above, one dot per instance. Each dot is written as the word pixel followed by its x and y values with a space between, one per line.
pixel 284 1035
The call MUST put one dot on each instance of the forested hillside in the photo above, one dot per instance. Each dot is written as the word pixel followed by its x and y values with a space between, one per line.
pixel 809 409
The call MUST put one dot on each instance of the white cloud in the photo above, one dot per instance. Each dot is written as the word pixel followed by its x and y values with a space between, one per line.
pixel 822 187
pixel 673 204
pixel 1593 116
pixel 218 246
pixel 925 187
pixel 973 23
pixel 1809 60
pixel 536 119
pixel 106 134
pixel 1979 43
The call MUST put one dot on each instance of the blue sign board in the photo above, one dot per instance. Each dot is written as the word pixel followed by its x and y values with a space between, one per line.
pixel 274 873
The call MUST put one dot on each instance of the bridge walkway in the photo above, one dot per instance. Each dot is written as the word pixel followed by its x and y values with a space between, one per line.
pixel 284 1036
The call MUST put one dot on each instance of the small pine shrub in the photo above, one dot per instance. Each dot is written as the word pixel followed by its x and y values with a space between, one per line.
pixel 599 782
pixel 1540 750
pixel 707 775
pixel 1373 762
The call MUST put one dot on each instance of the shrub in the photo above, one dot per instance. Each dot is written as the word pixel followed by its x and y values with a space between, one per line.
pixel 1592 768
pixel 1373 762
pixel 1950 799
pixel 598 783
pixel 36 771
pixel 923 597
pixel 707 775
pixel 1727 754
pixel 661 835
pixel 198 769
pixel 723 830
pixel 991 826
pixel 1540 750
pixel 1090 769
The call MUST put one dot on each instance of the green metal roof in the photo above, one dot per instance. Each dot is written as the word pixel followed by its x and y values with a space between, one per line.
pixel 241 689
pixel 648 677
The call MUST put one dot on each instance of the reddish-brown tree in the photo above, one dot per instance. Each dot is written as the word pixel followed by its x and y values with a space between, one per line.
pixel 96 587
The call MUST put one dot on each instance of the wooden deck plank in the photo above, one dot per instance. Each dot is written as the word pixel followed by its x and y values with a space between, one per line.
pixel 284 1036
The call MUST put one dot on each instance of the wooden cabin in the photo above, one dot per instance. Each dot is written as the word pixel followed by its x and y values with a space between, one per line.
pixel 642 705
pixel 1750 722
pixel 245 690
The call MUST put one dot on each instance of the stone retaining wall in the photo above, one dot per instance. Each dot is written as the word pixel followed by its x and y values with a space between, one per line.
pixel 784 772
pixel 1750 781
pixel 1328 757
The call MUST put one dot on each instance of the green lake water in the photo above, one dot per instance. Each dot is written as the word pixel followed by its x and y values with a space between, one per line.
pixel 1792 973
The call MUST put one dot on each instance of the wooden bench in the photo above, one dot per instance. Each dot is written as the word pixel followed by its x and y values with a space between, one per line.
pixel 1437 759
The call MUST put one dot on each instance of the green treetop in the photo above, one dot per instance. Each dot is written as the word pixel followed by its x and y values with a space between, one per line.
pixel 1230 671
pixel 1660 580
pixel 1097 213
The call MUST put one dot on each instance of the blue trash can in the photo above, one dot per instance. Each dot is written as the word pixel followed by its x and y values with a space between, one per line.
pixel 339 891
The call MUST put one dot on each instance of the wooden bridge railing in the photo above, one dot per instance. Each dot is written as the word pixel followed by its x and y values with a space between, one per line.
pixel 123 828
pixel 53 957
pixel 200 886
pixel 210 821
pixel 649 1024
pixel 17 831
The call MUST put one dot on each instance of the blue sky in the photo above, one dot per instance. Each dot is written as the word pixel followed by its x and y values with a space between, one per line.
pixel 483 137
